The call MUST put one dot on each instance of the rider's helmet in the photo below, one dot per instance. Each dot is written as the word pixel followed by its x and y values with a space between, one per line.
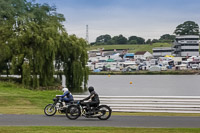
pixel 64 90
pixel 91 89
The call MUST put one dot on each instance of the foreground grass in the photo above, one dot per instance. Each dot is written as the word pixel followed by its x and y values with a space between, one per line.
pixel 95 130
pixel 14 99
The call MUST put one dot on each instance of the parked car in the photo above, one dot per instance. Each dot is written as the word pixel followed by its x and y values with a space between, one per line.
pixel 155 68
pixel 181 67
pixel 163 68
pixel 195 66
pixel 131 68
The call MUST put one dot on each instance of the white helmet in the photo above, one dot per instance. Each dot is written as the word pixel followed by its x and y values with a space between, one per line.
pixel 64 90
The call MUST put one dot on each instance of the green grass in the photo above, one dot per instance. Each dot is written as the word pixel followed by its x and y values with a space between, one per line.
pixel 132 48
pixel 14 99
pixel 55 129
pixel 168 72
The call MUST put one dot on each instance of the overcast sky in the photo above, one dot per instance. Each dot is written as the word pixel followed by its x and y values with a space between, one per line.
pixel 144 18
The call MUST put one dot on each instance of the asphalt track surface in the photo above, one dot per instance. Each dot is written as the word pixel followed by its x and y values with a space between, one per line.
pixel 114 121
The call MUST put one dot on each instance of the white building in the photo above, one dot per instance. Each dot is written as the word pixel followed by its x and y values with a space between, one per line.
pixel 186 45
pixel 162 51
pixel 142 55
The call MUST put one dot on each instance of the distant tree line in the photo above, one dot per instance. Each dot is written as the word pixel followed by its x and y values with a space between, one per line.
pixel 108 40
pixel 187 28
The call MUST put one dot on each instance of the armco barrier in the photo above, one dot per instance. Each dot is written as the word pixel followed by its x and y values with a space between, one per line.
pixel 173 104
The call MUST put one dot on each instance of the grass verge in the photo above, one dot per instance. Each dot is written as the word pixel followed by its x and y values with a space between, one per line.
pixel 168 72
pixel 14 99
pixel 56 129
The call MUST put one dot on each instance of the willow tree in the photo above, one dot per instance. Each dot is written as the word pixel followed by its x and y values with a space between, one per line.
pixel 39 40
pixel 5 57
pixel 73 54
pixel 8 11
pixel 33 34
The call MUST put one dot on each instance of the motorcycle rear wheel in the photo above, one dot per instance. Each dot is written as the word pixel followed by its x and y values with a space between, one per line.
pixel 73 112
pixel 50 110
pixel 105 111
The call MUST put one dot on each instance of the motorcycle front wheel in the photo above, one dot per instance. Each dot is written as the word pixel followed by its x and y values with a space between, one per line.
pixel 73 112
pixel 50 110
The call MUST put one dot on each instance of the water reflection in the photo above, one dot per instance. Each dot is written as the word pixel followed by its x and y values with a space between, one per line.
pixel 77 92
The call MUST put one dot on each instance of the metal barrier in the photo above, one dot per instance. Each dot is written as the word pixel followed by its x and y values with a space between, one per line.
pixel 171 104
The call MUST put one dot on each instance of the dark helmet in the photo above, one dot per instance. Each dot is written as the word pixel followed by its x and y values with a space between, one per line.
pixel 91 89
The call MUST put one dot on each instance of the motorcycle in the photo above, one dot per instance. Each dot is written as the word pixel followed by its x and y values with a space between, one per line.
pixel 58 105
pixel 102 112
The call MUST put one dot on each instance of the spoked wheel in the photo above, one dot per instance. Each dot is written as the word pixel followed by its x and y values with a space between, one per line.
pixel 105 112
pixel 50 110
pixel 73 112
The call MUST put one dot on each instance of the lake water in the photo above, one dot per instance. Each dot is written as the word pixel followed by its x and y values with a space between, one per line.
pixel 146 85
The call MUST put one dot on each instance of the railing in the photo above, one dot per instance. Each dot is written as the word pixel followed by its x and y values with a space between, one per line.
pixel 188 42
pixel 173 104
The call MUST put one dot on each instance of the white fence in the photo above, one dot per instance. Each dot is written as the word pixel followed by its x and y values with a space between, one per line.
pixel 173 104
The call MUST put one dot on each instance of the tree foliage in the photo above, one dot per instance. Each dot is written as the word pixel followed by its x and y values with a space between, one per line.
pixel 187 28
pixel 167 38
pixel 103 39
pixel 37 34
pixel 73 54
pixel 119 39
pixel 108 40
pixel 136 40
pixel 33 33
pixel 149 41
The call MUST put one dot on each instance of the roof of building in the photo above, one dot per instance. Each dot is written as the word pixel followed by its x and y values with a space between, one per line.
pixel 129 54
pixel 188 36
pixel 140 52
pixel 162 48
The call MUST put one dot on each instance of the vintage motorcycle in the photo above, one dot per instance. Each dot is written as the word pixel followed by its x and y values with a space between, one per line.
pixel 58 105
pixel 102 112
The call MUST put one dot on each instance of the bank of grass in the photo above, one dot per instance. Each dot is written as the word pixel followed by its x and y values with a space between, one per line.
pixel 143 72
pixel 56 129
pixel 132 47
pixel 14 99
pixel 168 72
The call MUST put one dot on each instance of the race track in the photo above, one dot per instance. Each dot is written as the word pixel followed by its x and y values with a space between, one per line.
pixel 114 121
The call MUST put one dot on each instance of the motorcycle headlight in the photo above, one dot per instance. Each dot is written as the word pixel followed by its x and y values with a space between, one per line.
pixel 54 99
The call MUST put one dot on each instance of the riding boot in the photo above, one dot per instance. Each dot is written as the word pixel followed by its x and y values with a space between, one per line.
pixel 89 112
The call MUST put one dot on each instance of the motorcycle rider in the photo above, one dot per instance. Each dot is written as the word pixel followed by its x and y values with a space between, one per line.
pixel 67 96
pixel 94 100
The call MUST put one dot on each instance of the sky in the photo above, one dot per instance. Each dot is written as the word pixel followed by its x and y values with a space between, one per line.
pixel 149 19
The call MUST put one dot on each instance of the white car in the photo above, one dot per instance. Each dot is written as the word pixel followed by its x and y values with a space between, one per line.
pixel 155 68
pixel 195 66
pixel 163 68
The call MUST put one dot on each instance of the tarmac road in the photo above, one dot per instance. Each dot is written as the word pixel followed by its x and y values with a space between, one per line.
pixel 114 121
